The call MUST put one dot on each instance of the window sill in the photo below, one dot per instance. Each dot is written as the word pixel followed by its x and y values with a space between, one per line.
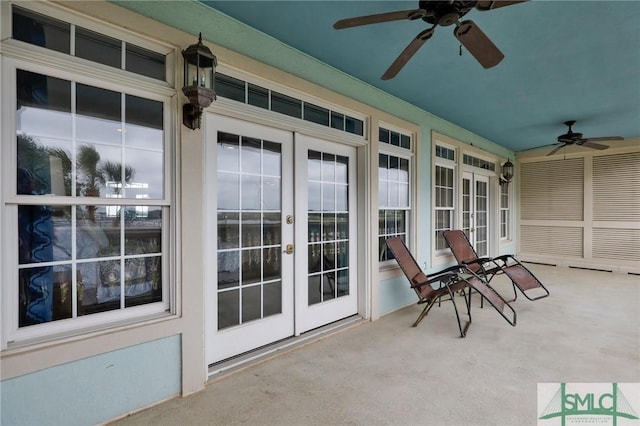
pixel 39 343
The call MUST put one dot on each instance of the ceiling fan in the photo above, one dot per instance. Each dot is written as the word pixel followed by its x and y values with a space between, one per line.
pixel 443 13
pixel 571 138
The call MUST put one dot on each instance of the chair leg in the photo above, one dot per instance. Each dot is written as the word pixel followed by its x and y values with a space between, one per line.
pixel 463 333
pixel 424 313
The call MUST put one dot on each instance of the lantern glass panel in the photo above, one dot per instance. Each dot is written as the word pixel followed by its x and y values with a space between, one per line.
pixel 191 74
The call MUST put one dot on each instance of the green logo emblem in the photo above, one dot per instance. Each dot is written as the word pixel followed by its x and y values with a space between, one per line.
pixel 590 402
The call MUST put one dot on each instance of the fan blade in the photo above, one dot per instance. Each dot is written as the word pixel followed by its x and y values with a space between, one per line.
pixel 556 149
pixel 490 5
pixel 593 145
pixel 476 42
pixel 380 17
pixel 408 53
pixel 605 138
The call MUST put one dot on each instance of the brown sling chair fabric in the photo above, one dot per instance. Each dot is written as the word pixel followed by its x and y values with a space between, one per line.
pixel 488 267
pixel 448 281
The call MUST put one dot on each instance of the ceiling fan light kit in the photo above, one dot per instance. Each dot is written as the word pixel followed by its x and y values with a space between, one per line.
pixel 444 14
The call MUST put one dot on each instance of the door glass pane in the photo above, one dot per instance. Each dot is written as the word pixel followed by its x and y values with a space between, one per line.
pixel 481 218
pixel 249 218
pixel 329 260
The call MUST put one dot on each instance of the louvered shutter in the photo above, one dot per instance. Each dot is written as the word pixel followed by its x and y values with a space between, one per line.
pixel 552 190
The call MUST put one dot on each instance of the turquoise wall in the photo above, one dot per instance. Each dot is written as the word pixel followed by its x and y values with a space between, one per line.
pixel 95 389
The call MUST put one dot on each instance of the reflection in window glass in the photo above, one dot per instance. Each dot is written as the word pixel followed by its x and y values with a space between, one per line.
pixel 328 236
pixel 85 243
pixel 41 30
pixel 316 114
pixel 249 229
pixel 444 190
pixel 98 114
pixel 286 105
pixel 229 87
pixel 145 62
pixel 98 48
pixel 258 96
pixel 77 149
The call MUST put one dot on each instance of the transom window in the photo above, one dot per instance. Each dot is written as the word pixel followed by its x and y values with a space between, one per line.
pixel 248 93
pixel 50 33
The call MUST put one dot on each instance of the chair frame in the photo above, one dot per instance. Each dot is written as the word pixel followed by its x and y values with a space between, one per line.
pixel 489 267
pixel 450 281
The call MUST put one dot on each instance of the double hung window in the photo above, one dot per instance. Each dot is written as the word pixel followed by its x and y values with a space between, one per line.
pixel 89 199
pixel 505 216
pixel 394 177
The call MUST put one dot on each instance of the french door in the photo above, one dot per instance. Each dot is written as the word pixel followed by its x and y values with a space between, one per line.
pixel 475 211
pixel 282 259
pixel 326 268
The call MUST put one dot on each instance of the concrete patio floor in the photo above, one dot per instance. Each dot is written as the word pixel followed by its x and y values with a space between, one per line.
pixel 389 373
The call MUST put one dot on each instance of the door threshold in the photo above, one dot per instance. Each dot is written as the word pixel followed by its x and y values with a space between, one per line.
pixel 222 369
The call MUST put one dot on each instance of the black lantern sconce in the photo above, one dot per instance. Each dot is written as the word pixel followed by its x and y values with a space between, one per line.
pixel 507 173
pixel 199 70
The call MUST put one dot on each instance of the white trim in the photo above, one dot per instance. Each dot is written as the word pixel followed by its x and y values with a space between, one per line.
pixel 60 67
pixel 280 121
pixel 285 90
pixel 442 257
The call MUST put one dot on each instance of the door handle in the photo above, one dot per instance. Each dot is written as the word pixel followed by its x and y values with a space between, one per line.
pixel 288 249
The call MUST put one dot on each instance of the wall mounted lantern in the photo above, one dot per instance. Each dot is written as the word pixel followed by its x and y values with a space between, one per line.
pixel 199 69
pixel 507 173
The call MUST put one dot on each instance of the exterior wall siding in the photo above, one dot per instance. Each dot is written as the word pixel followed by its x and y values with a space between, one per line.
pixel 95 389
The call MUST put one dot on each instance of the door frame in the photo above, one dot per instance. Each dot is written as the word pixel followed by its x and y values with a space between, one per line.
pixel 242 113
pixel 324 310
pixel 473 176
pixel 272 328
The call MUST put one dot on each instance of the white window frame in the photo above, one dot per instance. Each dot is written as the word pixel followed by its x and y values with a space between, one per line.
pixel 450 165
pixel 20 55
pixel 406 154
pixel 505 210
pixel 444 256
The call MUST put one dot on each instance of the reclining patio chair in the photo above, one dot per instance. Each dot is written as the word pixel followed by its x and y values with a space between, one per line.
pixel 489 267
pixel 448 281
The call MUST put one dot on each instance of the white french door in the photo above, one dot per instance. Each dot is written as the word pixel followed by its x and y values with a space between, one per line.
pixel 249 286
pixel 282 253
pixel 475 211
pixel 326 279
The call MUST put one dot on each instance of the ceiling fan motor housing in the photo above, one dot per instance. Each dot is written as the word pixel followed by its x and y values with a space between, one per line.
pixel 570 137
pixel 445 13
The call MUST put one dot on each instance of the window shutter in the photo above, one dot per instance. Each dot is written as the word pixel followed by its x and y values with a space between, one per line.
pixel 618 244
pixel 616 187
pixel 552 190
pixel 551 240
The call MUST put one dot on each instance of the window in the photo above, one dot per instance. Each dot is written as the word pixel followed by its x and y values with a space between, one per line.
pixel 394 175
pixel 242 91
pixel 466 196
pixel 504 212
pixel 444 203
pixel 40 30
pixel 90 205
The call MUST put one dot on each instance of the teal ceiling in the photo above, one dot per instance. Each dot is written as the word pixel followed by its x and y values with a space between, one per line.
pixel 564 60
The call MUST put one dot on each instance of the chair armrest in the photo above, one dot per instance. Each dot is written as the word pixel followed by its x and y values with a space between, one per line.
pixel 479 260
